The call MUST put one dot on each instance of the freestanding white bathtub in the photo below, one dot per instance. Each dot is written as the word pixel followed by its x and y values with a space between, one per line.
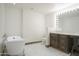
pixel 15 45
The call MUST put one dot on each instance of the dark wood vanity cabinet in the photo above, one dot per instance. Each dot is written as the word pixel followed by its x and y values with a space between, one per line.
pixel 54 40
pixel 61 42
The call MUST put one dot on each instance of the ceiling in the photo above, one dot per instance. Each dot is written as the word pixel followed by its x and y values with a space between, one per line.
pixel 38 7
pixel 42 7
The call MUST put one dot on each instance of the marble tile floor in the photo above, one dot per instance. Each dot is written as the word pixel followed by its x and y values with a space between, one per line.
pixel 39 49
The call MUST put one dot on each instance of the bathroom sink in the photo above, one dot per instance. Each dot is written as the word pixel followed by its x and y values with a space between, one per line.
pixel 14 38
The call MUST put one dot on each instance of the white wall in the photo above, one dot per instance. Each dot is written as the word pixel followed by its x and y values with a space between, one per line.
pixel 13 20
pixel 2 23
pixel 50 22
pixel 33 25
pixel 50 25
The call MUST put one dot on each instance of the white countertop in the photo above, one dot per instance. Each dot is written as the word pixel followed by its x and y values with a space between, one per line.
pixel 76 34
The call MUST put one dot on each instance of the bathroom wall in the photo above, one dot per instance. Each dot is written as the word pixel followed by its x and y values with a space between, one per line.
pixel 33 25
pixel 50 22
pixel 13 20
pixel 2 23
pixel 50 25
